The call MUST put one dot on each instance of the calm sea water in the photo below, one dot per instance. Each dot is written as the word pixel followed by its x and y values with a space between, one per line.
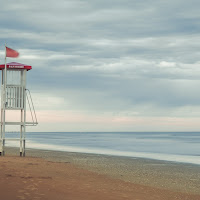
pixel 169 146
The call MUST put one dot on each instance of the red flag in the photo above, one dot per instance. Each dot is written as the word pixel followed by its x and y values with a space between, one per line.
pixel 11 53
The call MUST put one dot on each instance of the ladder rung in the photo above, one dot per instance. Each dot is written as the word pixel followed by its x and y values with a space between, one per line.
pixel 19 123
pixel 14 123
pixel 13 108
pixel 14 139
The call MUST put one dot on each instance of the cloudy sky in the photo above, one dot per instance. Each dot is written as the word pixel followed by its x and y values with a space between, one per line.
pixel 108 65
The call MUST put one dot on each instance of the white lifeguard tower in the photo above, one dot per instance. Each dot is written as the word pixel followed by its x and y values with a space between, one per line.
pixel 13 98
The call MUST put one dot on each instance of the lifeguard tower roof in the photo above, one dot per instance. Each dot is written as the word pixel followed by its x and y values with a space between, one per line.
pixel 15 65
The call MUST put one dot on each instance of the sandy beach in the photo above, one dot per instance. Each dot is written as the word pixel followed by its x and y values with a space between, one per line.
pixel 76 176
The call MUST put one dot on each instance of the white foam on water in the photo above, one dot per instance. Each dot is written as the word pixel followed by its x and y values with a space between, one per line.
pixel 156 156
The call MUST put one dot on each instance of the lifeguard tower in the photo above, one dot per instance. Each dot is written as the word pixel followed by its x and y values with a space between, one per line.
pixel 13 98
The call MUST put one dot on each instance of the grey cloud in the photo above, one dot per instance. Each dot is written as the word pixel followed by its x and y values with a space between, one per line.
pixel 108 55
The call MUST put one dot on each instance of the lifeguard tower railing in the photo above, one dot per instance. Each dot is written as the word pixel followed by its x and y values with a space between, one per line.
pixel 14 97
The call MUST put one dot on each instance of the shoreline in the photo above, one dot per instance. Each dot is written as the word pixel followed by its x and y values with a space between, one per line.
pixel 140 155
pixel 174 176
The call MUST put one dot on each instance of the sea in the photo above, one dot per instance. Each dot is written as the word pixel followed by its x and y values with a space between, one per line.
pixel 181 147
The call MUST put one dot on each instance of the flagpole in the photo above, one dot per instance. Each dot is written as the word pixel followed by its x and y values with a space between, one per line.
pixel 2 139
pixel 5 74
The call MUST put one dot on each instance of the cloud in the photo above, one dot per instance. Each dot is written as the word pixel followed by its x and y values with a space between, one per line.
pixel 108 56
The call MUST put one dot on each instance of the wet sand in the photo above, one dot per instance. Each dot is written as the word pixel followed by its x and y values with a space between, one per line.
pixel 62 175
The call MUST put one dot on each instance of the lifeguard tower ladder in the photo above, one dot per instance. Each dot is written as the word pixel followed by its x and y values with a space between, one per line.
pixel 13 97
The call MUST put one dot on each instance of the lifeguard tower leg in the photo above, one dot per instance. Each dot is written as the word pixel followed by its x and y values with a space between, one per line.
pixel 21 147
pixel 21 127
pixel 24 115
pixel 24 142
pixel 1 141
pixel 1 146
pixel 2 131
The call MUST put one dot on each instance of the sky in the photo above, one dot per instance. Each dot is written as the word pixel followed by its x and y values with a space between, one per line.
pixel 99 65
